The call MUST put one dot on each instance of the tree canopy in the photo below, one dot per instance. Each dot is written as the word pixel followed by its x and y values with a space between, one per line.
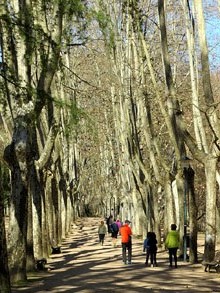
pixel 107 107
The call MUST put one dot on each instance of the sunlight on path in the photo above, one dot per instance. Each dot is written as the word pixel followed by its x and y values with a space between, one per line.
pixel 86 266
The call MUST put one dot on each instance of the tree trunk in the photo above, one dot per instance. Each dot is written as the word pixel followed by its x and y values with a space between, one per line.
pixel 210 234
pixel 4 275
pixel 199 129
pixel 213 121
pixel 192 206
pixel 18 156
pixel 30 264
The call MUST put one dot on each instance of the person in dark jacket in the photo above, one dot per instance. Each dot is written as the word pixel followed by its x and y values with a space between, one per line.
pixel 109 221
pixel 114 231
pixel 150 246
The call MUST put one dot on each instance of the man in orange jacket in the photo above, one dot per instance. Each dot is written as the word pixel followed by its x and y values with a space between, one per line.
pixel 126 233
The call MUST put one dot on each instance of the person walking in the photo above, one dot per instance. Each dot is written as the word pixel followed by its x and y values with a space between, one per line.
pixel 102 231
pixel 118 222
pixel 109 221
pixel 150 246
pixel 126 242
pixel 172 244
pixel 114 231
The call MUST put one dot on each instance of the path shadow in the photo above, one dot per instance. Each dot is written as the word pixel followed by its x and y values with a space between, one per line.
pixel 85 266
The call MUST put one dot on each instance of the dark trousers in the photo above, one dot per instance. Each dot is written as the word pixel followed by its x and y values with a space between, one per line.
pixel 173 254
pixel 126 247
pixel 152 254
pixel 101 238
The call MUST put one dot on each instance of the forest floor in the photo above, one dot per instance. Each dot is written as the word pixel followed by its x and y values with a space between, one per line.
pixel 86 266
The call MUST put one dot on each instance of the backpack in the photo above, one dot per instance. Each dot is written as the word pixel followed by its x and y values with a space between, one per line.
pixel 114 227
pixel 146 243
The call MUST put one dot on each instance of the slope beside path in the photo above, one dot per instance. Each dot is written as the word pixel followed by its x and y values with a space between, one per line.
pixel 86 266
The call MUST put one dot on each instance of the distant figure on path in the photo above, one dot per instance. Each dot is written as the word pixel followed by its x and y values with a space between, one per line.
pixel 114 231
pixel 102 231
pixel 150 246
pixel 126 242
pixel 172 243
pixel 118 222
pixel 109 221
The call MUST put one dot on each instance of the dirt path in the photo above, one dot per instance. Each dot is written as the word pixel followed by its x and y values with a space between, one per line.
pixel 85 266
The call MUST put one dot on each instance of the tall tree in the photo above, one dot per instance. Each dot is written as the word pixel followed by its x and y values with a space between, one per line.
pixel 31 68
pixel 4 276
pixel 211 162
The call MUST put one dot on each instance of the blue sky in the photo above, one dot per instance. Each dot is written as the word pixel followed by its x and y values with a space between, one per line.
pixel 212 13
pixel 213 32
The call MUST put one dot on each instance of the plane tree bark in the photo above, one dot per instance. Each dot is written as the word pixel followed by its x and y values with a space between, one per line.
pixel 212 114
pixel 173 108
pixel 4 276
pixel 31 67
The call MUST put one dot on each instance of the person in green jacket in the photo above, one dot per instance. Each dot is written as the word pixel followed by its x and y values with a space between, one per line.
pixel 172 244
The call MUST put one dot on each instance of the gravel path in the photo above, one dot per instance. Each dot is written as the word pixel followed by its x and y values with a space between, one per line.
pixel 86 266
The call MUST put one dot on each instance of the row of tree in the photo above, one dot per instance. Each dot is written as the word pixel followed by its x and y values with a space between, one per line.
pixel 102 105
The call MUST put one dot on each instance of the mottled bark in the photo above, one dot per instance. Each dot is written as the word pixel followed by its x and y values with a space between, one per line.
pixel 199 129
pixel 193 212
pixel 4 275
pixel 210 233
pixel 212 117
pixel 18 156
pixel 173 110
